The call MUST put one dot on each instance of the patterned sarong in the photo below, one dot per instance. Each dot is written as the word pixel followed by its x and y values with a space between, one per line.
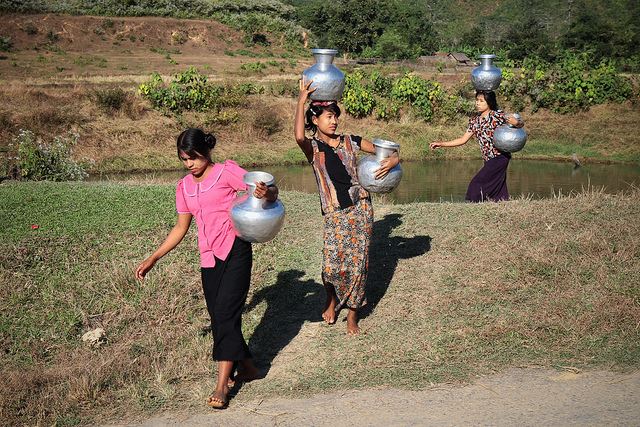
pixel 345 260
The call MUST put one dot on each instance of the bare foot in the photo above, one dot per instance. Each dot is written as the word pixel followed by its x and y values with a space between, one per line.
pixel 329 311
pixel 352 322
pixel 219 399
pixel 247 372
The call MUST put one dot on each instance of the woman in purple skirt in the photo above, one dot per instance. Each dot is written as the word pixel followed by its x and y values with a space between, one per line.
pixel 490 183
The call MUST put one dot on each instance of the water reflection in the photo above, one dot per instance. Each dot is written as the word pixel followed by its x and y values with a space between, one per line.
pixel 447 180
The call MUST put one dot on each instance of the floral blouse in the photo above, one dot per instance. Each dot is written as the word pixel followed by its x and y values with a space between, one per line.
pixel 482 129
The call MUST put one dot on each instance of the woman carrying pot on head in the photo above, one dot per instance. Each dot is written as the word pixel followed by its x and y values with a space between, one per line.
pixel 207 193
pixel 346 206
pixel 490 183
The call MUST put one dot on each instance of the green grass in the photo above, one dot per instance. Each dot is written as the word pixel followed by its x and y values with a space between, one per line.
pixel 455 290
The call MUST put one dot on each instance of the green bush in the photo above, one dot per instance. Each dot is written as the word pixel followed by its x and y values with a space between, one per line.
pixel 268 121
pixel 567 85
pixel 384 96
pixel 6 44
pixel 381 84
pixel 357 99
pixel 40 161
pixel 110 99
pixel 253 66
pixel 418 92
pixel 387 110
pixel 191 91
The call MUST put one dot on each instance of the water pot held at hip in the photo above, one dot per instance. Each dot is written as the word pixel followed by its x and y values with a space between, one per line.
pixel 509 138
pixel 257 220
pixel 369 164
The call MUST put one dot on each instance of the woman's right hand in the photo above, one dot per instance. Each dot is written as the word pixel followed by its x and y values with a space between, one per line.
pixel 435 144
pixel 144 268
pixel 305 90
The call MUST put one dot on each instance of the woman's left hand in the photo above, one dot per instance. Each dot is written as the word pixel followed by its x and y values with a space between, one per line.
pixel 385 166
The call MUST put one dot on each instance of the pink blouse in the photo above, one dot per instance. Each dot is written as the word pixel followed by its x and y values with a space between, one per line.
pixel 209 202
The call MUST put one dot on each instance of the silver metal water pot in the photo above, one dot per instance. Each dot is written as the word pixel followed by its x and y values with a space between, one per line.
pixel 369 164
pixel 327 78
pixel 509 138
pixel 486 76
pixel 257 220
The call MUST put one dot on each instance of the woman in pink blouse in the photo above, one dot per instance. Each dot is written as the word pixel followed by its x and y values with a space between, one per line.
pixel 207 193
pixel 490 183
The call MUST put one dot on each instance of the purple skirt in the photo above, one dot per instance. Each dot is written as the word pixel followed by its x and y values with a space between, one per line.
pixel 490 183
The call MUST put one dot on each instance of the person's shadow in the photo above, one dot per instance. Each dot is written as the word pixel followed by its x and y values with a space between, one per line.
pixel 384 254
pixel 290 303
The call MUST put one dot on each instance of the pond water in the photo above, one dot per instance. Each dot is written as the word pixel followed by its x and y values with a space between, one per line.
pixel 447 180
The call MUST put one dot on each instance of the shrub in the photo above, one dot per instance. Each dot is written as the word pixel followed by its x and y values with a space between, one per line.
pixel 190 91
pixel 357 100
pixel 30 29
pixel 111 99
pixel 387 110
pixel 179 37
pixel 253 66
pixel 6 44
pixel 40 161
pixel 564 86
pixel 268 121
pixel 381 84
pixel 53 37
pixel 285 88
pixel 420 93
pixel 222 118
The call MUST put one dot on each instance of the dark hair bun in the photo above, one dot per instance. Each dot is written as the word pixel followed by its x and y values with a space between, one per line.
pixel 210 140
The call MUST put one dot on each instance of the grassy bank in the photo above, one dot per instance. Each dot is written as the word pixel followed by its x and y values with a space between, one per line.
pixel 260 132
pixel 54 87
pixel 549 282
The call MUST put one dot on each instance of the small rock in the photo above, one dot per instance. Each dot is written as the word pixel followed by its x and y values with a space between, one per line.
pixel 95 338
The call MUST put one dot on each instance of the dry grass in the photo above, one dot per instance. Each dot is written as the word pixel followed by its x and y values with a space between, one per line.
pixel 138 138
pixel 455 290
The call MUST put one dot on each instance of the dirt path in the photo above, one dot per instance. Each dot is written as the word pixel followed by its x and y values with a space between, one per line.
pixel 516 397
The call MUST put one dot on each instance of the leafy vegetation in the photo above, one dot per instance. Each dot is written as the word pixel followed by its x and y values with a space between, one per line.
pixel 393 30
pixel 110 99
pixel 191 91
pixel 517 28
pixel 373 92
pixel 563 86
pixel 37 160
pixel 258 19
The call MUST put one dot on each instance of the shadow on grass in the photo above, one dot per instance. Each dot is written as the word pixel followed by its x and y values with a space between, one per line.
pixel 384 254
pixel 290 303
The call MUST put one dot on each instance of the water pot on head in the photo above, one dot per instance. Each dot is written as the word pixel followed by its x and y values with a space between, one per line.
pixel 509 138
pixel 327 78
pixel 257 220
pixel 486 76
pixel 369 164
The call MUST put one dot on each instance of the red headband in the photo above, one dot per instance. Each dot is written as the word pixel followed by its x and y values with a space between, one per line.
pixel 322 103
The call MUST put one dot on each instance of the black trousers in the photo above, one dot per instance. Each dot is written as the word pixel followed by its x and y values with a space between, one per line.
pixel 225 289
